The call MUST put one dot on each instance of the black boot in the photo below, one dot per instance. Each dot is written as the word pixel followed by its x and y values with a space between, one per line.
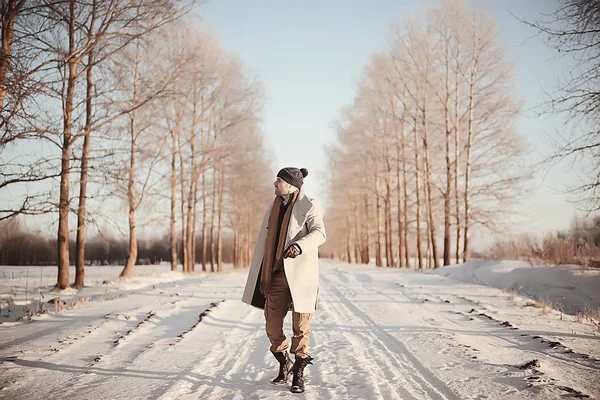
pixel 298 369
pixel 285 367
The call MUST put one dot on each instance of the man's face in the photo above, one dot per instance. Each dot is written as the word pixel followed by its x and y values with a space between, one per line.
pixel 282 188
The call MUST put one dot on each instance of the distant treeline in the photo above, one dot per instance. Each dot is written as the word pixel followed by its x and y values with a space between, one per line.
pixel 20 246
pixel 579 245
pixel 584 231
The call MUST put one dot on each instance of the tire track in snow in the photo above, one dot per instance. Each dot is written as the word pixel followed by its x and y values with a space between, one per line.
pixel 112 303
pixel 398 351
pixel 132 345
pixel 222 359
pixel 116 357
pixel 346 368
pixel 510 336
pixel 162 358
pixel 76 357
pixel 493 334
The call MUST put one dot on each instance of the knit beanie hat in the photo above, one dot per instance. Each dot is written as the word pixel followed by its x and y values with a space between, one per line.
pixel 293 176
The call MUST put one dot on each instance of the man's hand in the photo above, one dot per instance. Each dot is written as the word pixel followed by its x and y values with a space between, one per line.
pixel 292 252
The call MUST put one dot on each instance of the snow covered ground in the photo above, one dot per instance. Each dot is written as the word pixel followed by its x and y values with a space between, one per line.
pixel 571 288
pixel 25 290
pixel 377 334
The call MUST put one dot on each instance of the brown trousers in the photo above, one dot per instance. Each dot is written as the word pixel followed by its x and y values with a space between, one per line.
pixel 278 302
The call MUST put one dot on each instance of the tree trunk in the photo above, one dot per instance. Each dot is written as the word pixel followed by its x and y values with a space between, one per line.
pixel 63 211
pixel 470 133
pixel 8 29
pixel 204 230
pixel 386 231
pixel 378 256
pixel 81 210
pixel 247 248
pixel 63 206
pixel 357 234
pixel 219 223
pixel 399 169
pixel 195 215
pixel 190 229
pixel 366 226
pixel 457 161
pixel 466 249
pixel 428 240
pixel 429 199
pixel 348 241
pixel 173 231
pixel 236 250
pixel 428 222
pixel 213 259
pixel 190 217
pixel 133 246
pixel 405 195
pixel 448 192
pixel 417 190
pixel 401 260
pixel 389 251
pixel 184 255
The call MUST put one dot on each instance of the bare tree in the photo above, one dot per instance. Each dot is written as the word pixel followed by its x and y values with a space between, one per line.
pixel 573 30
pixel 490 112
pixel 71 65
pixel 87 130
pixel 143 138
pixel 447 26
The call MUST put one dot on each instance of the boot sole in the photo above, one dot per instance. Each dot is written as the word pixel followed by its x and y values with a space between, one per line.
pixel 296 389
pixel 284 382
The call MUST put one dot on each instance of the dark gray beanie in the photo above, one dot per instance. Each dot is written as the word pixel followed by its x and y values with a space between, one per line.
pixel 293 176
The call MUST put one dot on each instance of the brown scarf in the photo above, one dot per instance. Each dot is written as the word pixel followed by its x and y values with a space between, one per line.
pixel 268 268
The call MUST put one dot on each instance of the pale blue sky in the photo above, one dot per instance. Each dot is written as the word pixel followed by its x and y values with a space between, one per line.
pixel 310 54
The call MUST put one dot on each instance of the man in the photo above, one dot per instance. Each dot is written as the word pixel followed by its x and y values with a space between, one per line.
pixel 285 271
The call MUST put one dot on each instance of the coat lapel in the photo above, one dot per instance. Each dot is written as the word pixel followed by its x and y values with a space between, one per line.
pixel 299 213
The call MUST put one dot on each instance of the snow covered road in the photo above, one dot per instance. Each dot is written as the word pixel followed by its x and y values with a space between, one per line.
pixel 377 334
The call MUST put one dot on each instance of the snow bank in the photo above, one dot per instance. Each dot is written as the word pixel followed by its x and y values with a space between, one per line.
pixel 568 286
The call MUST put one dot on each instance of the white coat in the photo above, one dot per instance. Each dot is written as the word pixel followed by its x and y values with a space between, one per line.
pixel 307 230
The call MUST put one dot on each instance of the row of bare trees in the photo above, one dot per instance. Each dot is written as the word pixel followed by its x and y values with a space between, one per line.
pixel 427 150
pixel 127 100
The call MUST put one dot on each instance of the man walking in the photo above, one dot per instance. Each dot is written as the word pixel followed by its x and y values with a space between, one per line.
pixel 284 272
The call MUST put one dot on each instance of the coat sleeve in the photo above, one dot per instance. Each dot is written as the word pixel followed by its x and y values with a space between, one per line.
pixel 316 230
